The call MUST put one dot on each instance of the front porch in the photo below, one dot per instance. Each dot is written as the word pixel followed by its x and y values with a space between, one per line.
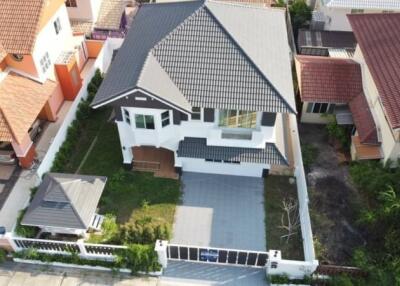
pixel 159 161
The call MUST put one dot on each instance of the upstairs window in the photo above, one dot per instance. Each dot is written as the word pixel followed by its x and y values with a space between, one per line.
pixel 70 3
pixel 45 62
pixel 165 118
pixel 127 116
pixel 57 25
pixel 320 108
pixel 144 121
pixel 196 113
pixel 232 118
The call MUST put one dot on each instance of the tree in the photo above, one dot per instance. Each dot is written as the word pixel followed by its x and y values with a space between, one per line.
pixel 300 13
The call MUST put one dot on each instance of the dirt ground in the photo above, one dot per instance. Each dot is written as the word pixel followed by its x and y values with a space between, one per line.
pixel 334 201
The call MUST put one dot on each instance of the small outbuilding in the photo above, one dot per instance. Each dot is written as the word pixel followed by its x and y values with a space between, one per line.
pixel 66 203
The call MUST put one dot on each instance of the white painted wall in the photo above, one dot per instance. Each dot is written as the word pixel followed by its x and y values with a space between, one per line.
pixel 390 146
pixel 54 44
pixel 201 166
pixel 85 10
pixel 336 18
pixel 315 118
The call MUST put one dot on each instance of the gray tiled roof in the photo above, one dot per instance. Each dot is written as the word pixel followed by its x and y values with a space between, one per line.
pixel 65 201
pixel 192 147
pixel 206 58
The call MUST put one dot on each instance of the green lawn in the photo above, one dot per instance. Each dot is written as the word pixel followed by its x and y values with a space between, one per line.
pixel 126 191
pixel 278 188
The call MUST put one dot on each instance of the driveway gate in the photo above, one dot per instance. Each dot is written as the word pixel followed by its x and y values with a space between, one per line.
pixel 217 255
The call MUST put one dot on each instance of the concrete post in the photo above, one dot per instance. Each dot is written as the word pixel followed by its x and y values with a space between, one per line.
pixel 7 243
pixel 82 249
pixel 161 249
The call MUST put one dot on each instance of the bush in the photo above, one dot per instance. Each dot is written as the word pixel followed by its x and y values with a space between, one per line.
pixel 110 229
pixel 339 133
pixel 284 279
pixel 300 14
pixel 3 255
pixel 309 153
pixel 144 231
pixel 23 230
pixel 139 258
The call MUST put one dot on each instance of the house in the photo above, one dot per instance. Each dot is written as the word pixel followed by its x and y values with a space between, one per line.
pixel 65 203
pixel 332 14
pixel 98 19
pixel 362 91
pixel 326 43
pixel 38 69
pixel 203 86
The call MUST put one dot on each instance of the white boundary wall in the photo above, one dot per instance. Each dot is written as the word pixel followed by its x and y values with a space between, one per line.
pixel 102 62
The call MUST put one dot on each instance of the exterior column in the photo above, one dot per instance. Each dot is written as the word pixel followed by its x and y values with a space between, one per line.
pixel 161 249
pixel 25 151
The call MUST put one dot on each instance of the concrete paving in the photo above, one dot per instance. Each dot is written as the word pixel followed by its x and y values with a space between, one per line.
pixel 13 274
pixel 189 273
pixel 221 211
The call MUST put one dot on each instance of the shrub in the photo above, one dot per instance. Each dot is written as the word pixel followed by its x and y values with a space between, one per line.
pixel 339 133
pixel 284 279
pixel 144 231
pixel 110 229
pixel 309 153
pixel 3 255
pixel 23 230
pixel 139 258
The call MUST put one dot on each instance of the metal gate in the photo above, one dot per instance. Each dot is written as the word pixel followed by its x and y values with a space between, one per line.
pixel 217 255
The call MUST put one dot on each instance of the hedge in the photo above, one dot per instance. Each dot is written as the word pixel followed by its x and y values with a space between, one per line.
pixel 83 112
pixel 136 257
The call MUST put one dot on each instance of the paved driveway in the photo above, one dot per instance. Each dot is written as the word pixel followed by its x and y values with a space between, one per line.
pixel 221 211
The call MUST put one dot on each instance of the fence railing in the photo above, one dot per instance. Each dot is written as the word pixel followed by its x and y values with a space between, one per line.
pixel 86 250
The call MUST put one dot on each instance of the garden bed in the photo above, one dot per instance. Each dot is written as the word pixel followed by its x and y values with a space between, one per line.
pixel 277 190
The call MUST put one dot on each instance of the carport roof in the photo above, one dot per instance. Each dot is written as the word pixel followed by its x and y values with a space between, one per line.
pixel 192 147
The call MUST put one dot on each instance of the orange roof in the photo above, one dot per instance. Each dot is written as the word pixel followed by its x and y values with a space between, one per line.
pixel 21 100
pixel 3 53
pixel 19 21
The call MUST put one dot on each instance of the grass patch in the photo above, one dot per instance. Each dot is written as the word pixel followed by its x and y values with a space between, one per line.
pixel 278 188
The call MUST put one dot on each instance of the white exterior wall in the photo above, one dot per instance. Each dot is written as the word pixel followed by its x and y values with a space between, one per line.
pixel 201 166
pixel 315 118
pixel 168 137
pixel 336 18
pixel 85 10
pixel 390 147
pixel 54 44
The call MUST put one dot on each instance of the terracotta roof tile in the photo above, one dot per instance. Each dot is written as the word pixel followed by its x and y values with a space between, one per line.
pixel 19 20
pixel 3 53
pixel 110 14
pixel 363 120
pixel 21 100
pixel 331 80
pixel 81 27
pixel 378 36
pixel 5 131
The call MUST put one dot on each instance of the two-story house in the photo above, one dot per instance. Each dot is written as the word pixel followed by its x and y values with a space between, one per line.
pixel 38 69
pixel 98 19
pixel 363 91
pixel 205 86
pixel 332 14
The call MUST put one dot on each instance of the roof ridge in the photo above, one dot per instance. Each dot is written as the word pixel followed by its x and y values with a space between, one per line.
pixel 258 70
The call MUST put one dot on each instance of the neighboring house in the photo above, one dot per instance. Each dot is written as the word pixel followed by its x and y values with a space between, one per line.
pixel 332 14
pixel 369 85
pixel 203 87
pixel 66 203
pixel 326 43
pixel 98 19
pixel 40 64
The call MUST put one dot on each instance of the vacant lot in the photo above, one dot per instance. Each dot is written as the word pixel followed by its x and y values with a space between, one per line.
pixel 279 189
pixel 334 201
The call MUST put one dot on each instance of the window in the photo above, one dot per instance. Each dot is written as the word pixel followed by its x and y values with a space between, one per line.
pixel 220 161
pixel 387 11
pixel 144 121
pixel 320 108
pixel 57 25
pixel 70 3
pixel 357 11
pixel 127 116
pixel 196 113
pixel 45 62
pixel 237 118
pixel 165 118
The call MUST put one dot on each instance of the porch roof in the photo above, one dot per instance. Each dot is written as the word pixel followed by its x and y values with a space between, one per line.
pixel 21 100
